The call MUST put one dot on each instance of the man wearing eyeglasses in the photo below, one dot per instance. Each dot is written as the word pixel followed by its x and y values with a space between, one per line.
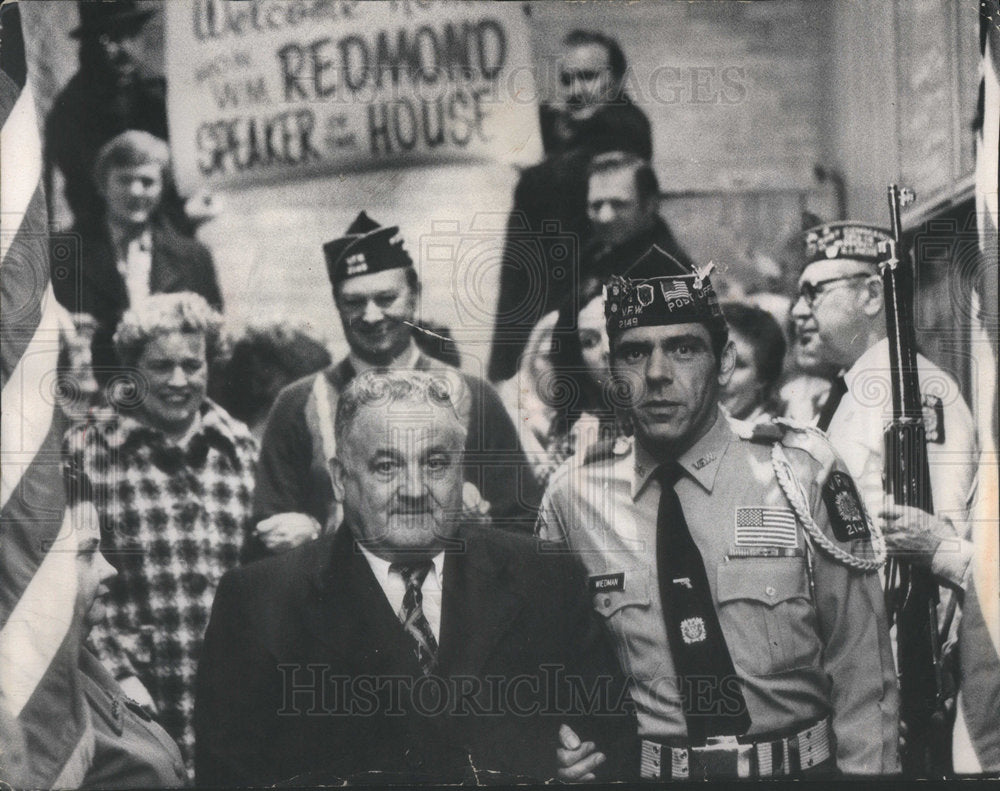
pixel 840 321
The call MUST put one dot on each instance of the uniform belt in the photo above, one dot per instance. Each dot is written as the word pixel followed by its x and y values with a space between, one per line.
pixel 725 757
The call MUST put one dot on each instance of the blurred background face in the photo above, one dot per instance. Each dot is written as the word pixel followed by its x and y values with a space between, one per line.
pixel 373 309
pixel 745 390
pixel 675 381
pixel 120 54
pixel 614 208
pixel 827 331
pixel 132 194
pixel 585 81
pixel 401 484
pixel 593 336
pixel 93 572
pixel 175 368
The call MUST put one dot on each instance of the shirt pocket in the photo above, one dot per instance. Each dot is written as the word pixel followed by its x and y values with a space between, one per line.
pixel 767 614
pixel 625 612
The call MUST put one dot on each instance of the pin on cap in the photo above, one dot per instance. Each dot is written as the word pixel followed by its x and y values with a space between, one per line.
pixel 679 296
pixel 366 248
pixel 845 240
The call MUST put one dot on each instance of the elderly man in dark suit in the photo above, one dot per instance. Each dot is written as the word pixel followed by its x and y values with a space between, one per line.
pixel 408 646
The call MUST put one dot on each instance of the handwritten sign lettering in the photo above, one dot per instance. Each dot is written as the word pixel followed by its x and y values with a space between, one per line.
pixel 282 89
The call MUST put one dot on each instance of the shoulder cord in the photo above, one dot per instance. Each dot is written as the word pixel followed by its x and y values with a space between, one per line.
pixel 800 504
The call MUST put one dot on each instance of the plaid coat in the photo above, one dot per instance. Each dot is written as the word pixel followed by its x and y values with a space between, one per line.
pixel 172 522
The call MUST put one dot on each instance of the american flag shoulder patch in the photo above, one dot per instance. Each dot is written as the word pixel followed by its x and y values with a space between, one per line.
pixel 764 526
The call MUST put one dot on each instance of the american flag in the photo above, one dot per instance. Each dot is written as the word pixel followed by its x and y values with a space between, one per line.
pixel 678 291
pixel 765 527
pixel 45 729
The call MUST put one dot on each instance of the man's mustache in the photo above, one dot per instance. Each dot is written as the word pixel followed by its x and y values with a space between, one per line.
pixel 422 506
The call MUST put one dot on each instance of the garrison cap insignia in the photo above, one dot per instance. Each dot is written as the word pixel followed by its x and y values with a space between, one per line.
pixel 843 504
pixel 844 240
pixel 677 294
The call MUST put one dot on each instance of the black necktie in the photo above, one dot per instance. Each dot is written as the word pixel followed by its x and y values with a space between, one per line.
pixel 837 391
pixel 713 697
pixel 411 613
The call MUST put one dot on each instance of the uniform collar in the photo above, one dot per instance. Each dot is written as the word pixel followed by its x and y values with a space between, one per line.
pixel 701 461
pixel 875 358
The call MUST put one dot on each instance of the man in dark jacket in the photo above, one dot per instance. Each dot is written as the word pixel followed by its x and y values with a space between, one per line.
pixel 110 93
pixel 623 198
pixel 548 222
pixel 409 646
pixel 133 251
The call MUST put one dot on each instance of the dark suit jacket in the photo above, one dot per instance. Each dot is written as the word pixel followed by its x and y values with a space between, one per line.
pixel 601 261
pixel 548 226
pixel 307 675
pixel 85 279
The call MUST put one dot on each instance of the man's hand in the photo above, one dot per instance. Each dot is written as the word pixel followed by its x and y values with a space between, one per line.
pixel 474 507
pixel 913 534
pixel 577 760
pixel 282 532
pixel 135 689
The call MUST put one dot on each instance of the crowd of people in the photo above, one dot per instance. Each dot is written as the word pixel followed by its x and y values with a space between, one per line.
pixel 618 558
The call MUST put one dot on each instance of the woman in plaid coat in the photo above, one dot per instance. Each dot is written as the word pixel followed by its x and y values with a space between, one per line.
pixel 173 480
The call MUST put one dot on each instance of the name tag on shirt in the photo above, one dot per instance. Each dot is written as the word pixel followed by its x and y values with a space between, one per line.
pixel 602 583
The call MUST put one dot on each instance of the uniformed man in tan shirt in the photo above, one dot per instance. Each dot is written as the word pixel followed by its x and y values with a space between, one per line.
pixel 735 566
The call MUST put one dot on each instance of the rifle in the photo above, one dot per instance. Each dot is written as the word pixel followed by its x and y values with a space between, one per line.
pixel 911 591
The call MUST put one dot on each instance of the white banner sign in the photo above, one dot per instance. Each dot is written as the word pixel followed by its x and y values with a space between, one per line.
pixel 261 90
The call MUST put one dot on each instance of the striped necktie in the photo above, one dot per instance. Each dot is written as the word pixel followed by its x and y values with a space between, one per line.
pixel 411 613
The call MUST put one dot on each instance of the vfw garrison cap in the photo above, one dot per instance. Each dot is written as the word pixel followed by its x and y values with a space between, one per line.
pixel 366 248
pixel 679 296
pixel 837 240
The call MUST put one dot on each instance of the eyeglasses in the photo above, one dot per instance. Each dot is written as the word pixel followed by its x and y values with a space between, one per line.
pixel 810 292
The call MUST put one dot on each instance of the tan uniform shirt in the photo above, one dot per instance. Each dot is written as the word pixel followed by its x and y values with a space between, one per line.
pixel 801 654
pixel 131 751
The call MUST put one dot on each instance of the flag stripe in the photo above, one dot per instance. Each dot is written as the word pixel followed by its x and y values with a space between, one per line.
pixel 23 280
pixel 26 417
pixel 20 162
pixel 42 612
pixel 44 714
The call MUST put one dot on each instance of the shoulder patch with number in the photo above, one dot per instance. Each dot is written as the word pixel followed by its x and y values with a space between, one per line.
pixel 843 504
pixel 933 419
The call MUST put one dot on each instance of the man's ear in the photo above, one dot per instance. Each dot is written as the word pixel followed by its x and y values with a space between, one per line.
pixel 337 478
pixel 727 363
pixel 873 297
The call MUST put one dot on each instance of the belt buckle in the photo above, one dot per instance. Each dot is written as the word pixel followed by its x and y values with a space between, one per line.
pixel 721 757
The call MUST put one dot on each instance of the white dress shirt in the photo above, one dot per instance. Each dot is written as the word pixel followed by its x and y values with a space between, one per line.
pixel 135 262
pixel 394 588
